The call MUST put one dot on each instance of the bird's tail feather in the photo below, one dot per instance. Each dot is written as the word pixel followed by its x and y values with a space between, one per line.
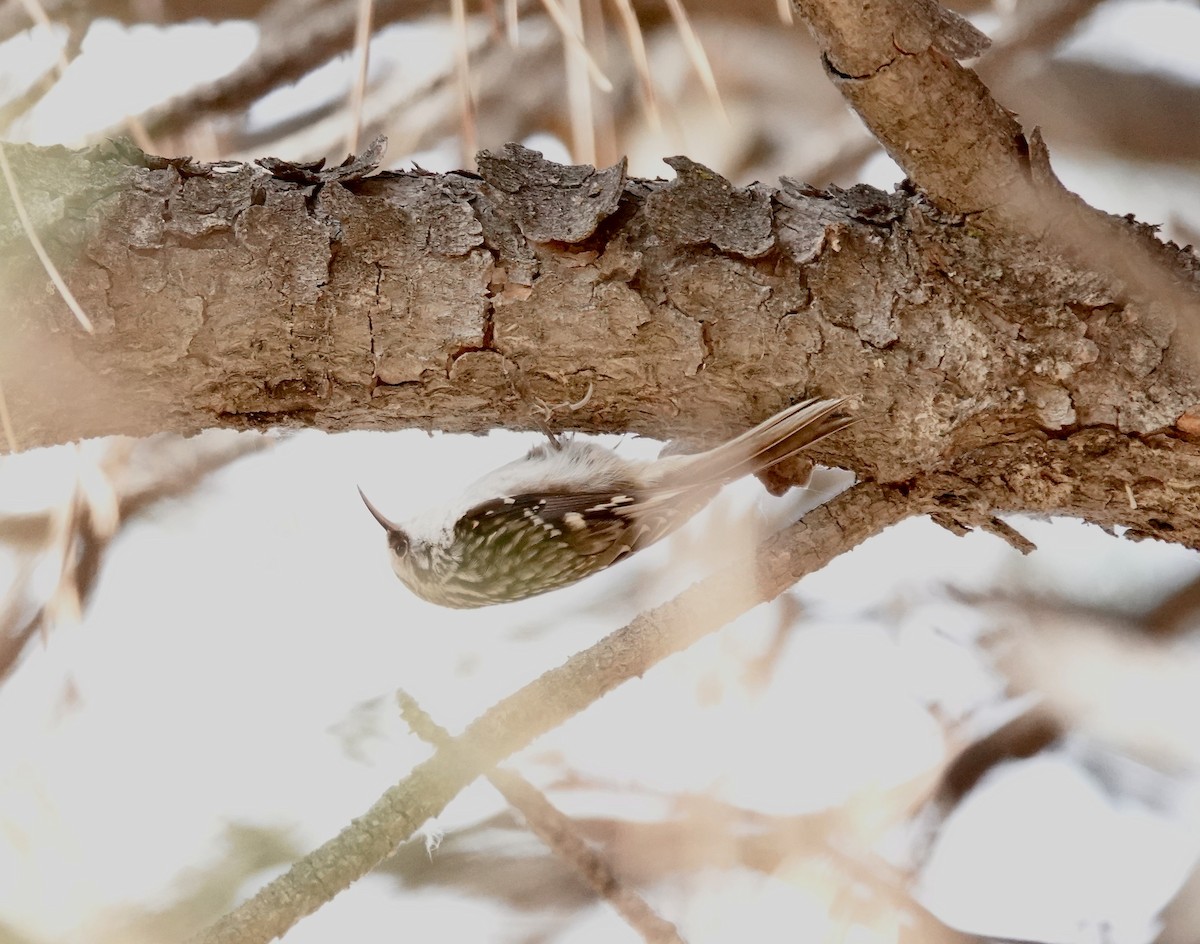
pixel 770 442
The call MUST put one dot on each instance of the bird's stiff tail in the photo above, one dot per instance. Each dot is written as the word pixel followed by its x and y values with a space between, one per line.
pixel 770 442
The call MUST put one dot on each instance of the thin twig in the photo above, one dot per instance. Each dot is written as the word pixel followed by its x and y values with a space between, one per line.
pixel 10 434
pixel 44 257
pixel 89 536
pixel 572 38
pixel 37 90
pixel 1035 27
pixel 1006 532
pixel 559 694
pixel 695 51
pixel 362 57
pixel 641 63
pixel 579 93
pixel 462 65
pixel 38 14
pixel 292 43
pixel 557 831
pixel 392 104
pixel 512 22
pixel 608 151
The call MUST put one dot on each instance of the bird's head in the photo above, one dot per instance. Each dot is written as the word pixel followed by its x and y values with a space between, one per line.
pixel 397 538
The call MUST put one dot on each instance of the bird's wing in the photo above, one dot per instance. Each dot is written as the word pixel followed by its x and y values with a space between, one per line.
pixel 605 522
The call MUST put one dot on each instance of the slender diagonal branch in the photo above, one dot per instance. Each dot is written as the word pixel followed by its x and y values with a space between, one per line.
pixel 556 696
pixel 559 832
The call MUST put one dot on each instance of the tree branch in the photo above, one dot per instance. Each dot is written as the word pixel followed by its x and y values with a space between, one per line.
pixel 557 831
pixel 897 68
pixel 547 702
pixel 227 295
pixel 292 43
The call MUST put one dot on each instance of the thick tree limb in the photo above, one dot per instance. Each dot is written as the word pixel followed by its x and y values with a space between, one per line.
pixel 228 296
pixel 897 68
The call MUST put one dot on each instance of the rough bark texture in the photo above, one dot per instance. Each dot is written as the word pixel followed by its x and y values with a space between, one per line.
pixel 233 296
pixel 242 296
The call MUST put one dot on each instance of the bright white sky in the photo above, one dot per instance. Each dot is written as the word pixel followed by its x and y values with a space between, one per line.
pixel 237 662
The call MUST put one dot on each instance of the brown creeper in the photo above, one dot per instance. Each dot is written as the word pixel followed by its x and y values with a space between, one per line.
pixel 569 510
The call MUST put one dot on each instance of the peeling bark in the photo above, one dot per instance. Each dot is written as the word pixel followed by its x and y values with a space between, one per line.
pixel 296 295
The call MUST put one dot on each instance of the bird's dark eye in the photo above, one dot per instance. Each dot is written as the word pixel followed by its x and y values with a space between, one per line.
pixel 398 542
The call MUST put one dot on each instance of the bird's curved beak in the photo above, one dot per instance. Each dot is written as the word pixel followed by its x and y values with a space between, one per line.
pixel 389 526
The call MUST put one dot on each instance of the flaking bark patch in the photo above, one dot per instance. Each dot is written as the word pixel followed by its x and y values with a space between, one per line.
pixel 226 295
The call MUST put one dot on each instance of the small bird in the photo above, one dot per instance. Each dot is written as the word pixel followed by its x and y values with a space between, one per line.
pixel 568 510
